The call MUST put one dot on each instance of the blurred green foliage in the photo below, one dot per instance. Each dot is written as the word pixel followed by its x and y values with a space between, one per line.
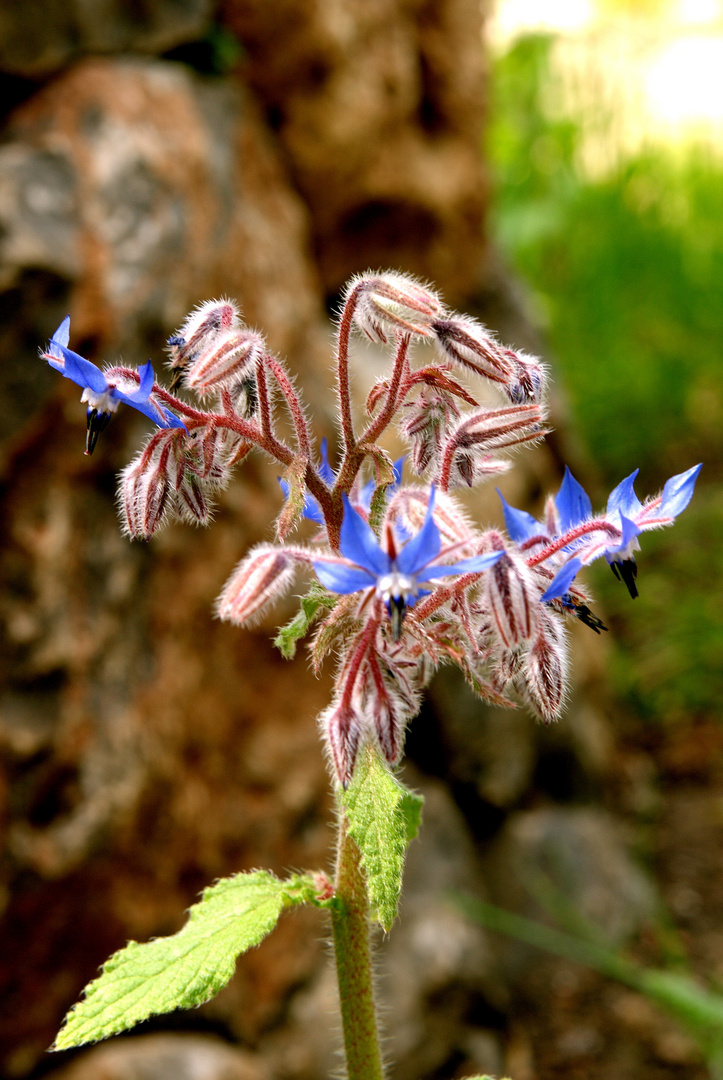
pixel 626 270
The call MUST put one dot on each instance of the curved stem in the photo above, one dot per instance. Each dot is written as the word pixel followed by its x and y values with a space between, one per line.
pixel 350 932
pixel 347 424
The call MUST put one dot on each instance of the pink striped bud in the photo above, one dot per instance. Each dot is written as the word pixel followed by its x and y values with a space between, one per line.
pixel 387 701
pixel 342 728
pixel 468 343
pixel 260 579
pixel 199 332
pixel 388 304
pixel 512 595
pixel 467 452
pixel 545 670
pixel 146 485
pixel 425 424
pixel 230 358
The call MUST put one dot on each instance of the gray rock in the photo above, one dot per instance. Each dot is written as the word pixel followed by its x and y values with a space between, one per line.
pixel 165 1057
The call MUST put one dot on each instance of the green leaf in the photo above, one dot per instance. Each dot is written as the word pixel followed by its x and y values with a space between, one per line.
pixel 188 968
pixel 316 599
pixel 383 817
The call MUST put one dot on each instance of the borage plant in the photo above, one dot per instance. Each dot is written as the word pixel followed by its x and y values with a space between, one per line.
pixel 402 582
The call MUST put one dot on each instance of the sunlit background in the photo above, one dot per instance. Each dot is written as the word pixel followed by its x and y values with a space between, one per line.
pixel 606 143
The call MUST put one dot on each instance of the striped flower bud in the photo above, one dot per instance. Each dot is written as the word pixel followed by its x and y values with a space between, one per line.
pixel 260 579
pixel 467 342
pixel 546 666
pixel 342 728
pixel 229 359
pixel 199 332
pixel 391 303
pixel 512 595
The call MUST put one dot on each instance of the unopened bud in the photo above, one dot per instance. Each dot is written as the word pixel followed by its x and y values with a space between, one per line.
pixel 143 499
pixel 198 333
pixel 388 304
pixel 528 381
pixel 469 344
pixel 342 728
pixel 229 359
pixel 545 670
pixel 513 596
pixel 260 579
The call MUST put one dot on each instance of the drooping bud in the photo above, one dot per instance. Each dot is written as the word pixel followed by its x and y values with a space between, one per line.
pixel 199 332
pixel 146 486
pixel 229 359
pixel 467 454
pixel 259 580
pixel 468 343
pixel 546 666
pixel 387 700
pixel 387 304
pixel 528 383
pixel 425 423
pixel 512 595
pixel 342 728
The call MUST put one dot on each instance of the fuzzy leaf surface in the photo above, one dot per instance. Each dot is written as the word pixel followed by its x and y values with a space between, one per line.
pixel 188 968
pixel 383 817
pixel 316 600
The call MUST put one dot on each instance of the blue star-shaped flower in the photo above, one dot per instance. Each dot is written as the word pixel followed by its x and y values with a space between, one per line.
pixel 103 398
pixel 395 575
pixel 625 513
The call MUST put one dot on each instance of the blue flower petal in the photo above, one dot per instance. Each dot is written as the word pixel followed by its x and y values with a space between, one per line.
pixel 424 545
pixel 630 530
pixel 678 492
pixel 623 499
pixel 572 503
pixel 343 579
pixel 474 565
pixel 60 337
pixel 171 420
pixel 562 580
pixel 520 525
pixel 81 371
pixel 326 472
pixel 359 544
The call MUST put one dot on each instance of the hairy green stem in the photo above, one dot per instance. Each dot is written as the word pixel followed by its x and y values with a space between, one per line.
pixel 350 931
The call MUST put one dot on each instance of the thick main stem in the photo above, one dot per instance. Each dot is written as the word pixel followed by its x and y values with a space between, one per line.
pixel 350 931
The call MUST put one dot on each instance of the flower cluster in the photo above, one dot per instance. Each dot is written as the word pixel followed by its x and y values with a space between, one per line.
pixel 403 582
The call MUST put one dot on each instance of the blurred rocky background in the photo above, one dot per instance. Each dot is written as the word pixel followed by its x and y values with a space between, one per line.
pixel 155 154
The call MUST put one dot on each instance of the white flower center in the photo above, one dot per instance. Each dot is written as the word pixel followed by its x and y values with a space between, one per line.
pixel 102 403
pixel 396 586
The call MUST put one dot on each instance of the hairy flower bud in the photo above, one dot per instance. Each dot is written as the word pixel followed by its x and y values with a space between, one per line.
pixel 199 333
pixel 513 596
pixel 230 358
pixel 387 304
pixel 528 381
pixel 342 728
pixel 425 424
pixel 260 579
pixel 545 669
pixel 468 343
pixel 467 453
pixel 146 486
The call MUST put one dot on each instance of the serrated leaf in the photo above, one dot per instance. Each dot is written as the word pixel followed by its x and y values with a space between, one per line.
pixel 316 599
pixel 383 818
pixel 188 968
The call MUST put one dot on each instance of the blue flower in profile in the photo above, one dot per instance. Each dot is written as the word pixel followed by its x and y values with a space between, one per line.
pixel 613 534
pixel 103 397
pixel 396 575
